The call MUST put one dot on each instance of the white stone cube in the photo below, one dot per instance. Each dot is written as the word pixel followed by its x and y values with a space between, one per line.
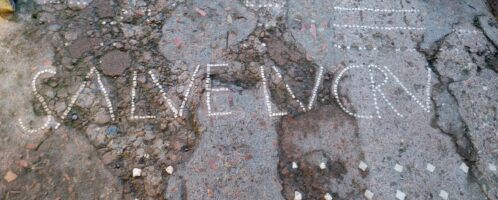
pixel 400 195
pixel 327 196
pixel 169 170
pixel 298 195
pixel 137 172
pixel 430 167
pixel 492 167
pixel 464 168
pixel 443 194
pixel 323 166
pixel 368 194
pixel 363 166
pixel 398 168
pixel 294 165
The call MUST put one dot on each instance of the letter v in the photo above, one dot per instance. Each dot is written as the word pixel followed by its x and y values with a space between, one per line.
pixel 312 99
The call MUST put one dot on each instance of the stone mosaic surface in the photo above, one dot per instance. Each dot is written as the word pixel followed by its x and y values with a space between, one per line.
pixel 249 99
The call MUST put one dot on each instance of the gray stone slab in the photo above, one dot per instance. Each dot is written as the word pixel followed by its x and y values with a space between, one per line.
pixel 477 104
pixel 198 31
pixel 469 82
pixel 237 157
pixel 336 37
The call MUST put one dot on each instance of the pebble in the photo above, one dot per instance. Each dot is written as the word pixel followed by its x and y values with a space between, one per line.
pixel 54 27
pixel 112 130
pixel 464 168
pixel 140 153
pixel 10 176
pixel 108 158
pixel 74 117
pixel 398 168
pixel 400 195
pixel 363 166
pixel 115 63
pixel 169 170
pixel 137 172
pixel 368 194
pixel 298 195
pixel 201 12
pixel 86 99
pixel 23 163
pixel 31 146
pixel 60 106
pixel 327 196
pixel 443 194
pixel 102 117
pixel 294 165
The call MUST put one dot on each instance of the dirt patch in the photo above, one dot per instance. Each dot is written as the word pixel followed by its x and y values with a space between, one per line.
pixel 326 137
pixel 493 6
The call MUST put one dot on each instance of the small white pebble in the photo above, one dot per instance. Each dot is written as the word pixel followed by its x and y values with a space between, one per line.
pixel 323 166
pixel 137 172
pixel 169 169
pixel 400 195
pixel 363 166
pixel 368 194
pixel 492 167
pixel 298 195
pixel 430 167
pixel 443 194
pixel 327 196
pixel 464 167
pixel 294 165
pixel 398 168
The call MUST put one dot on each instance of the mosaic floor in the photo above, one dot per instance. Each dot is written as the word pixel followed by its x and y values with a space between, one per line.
pixel 249 99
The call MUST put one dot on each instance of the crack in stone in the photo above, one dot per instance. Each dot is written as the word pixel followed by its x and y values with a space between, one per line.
pixel 461 138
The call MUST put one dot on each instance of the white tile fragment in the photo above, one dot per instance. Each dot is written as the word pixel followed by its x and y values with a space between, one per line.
pixel 368 194
pixel 398 168
pixel 430 167
pixel 400 195
pixel 169 170
pixel 294 165
pixel 363 166
pixel 298 195
pixel 137 172
pixel 492 167
pixel 464 168
pixel 327 197
pixel 323 166
pixel 443 194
